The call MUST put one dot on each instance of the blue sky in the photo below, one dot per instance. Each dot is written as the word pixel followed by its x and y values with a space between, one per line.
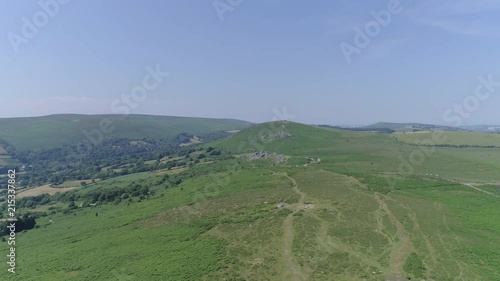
pixel 262 57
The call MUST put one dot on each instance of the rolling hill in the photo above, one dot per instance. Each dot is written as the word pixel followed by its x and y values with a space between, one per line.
pixel 277 201
pixel 57 130
pixel 409 127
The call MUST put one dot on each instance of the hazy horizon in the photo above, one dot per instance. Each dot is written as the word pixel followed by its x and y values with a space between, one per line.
pixel 273 118
pixel 249 60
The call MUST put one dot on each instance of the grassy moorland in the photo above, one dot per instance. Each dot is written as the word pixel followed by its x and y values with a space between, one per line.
pixel 334 206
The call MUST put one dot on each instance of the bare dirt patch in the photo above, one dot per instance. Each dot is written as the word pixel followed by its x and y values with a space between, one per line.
pixel 192 141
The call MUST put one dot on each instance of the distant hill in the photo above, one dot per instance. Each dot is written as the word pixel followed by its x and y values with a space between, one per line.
pixel 409 127
pixel 57 130
pixel 483 128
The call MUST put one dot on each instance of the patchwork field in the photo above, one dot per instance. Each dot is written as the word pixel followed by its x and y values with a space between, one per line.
pixel 46 189
pixel 6 160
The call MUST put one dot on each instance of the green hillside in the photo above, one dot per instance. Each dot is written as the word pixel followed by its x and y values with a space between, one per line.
pixel 57 130
pixel 278 201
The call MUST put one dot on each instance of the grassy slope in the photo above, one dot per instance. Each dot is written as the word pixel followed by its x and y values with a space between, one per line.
pixel 359 227
pixel 368 153
pixel 56 130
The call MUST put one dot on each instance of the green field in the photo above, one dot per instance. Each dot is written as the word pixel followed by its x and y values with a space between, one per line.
pixel 453 138
pixel 338 208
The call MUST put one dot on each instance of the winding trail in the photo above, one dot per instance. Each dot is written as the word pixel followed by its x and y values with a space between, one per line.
pixel 312 161
pixel 401 249
pixel 481 190
pixel 280 145
pixel 292 271
pixel 433 255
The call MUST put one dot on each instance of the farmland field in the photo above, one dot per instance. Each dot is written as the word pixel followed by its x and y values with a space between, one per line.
pixel 6 160
pixel 46 189
pixel 453 138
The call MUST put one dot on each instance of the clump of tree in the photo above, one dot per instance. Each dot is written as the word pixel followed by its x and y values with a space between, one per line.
pixel 26 222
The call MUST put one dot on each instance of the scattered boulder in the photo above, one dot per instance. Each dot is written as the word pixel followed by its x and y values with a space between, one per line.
pixel 276 158
pixel 277 135
pixel 308 206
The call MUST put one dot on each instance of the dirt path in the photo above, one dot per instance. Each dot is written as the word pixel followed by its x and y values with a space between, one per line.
pixel 280 145
pixel 296 189
pixel 474 187
pixel 292 269
pixel 481 190
pixel 333 244
pixel 313 161
pixel 401 249
pixel 417 231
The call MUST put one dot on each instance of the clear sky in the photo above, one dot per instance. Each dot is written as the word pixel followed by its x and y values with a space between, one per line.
pixel 252 58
